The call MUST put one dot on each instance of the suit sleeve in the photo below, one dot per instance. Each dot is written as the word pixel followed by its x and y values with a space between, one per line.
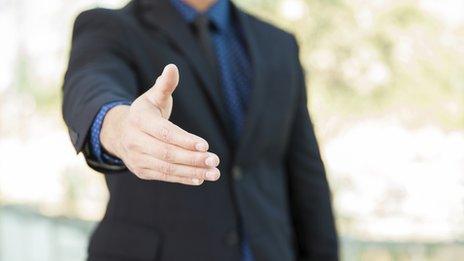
pixel 99 72
pixel 309 191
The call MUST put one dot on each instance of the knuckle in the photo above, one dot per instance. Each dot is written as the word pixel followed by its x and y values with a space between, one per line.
pixel 200 181
pixel 199 173
pixel 171 169
pixel 144 175
pixel 162 176
pixel 165 134
pixel 166 91
pixel 190 173
pixel 167 168
pixel 166 154
pixel 139 172
pixel 191 142
pixel 196 160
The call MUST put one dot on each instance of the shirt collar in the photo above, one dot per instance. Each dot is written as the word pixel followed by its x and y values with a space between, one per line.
pixel 218 13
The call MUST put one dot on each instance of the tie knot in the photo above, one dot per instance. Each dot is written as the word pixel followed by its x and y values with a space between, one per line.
pixel 203 23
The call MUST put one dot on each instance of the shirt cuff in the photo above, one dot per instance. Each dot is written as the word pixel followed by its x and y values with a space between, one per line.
pixel 95 143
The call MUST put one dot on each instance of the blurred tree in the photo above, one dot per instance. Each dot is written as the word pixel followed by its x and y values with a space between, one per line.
pixel 375 59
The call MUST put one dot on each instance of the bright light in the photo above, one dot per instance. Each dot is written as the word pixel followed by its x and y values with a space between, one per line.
pixel 450 11
pixel 293 9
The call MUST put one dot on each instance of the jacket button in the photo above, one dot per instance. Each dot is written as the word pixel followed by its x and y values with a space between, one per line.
pixel 231 238
pixel 237 173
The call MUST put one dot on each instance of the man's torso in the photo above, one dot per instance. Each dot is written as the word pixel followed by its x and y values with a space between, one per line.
pixel 162 221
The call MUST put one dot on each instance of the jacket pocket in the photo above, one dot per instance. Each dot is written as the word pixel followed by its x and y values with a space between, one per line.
pixel 124 241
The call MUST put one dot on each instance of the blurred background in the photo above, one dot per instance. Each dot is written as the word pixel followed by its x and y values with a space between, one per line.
pixel 386 88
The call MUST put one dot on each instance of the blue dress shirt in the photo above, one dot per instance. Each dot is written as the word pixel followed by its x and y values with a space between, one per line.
pixel 235 72
pixel 95 130
pixel 234 66
pixel 234 63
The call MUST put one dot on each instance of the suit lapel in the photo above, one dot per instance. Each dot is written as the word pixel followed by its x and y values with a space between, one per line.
pixel 162 15
pixel 258 95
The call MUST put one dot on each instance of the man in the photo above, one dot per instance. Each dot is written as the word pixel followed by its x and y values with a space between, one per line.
pixel 231 103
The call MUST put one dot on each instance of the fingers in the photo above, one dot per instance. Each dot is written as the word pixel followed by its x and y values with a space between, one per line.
pixel 151 159
pixel 154 148
pixel 160 94
pixel 173 154
pixel 144 143
pixel 170 133
pixel 149 174
pixel 148 162
pixel 159 127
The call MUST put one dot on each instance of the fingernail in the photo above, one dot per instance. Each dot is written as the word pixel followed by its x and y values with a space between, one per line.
pixel 212 161
pixel 168 66
pixel 212 175
pixel 164 69
pixel 196 181
pixel 201 146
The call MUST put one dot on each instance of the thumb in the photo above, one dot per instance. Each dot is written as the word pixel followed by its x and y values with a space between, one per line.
pixel 160 94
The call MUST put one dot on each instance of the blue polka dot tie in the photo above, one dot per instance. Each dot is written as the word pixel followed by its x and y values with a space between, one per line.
pixel 224 51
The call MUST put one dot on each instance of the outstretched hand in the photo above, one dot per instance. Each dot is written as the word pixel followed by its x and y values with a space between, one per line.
pixel 151 146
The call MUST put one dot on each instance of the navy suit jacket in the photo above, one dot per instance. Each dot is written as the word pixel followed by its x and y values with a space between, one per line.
pixel 273 183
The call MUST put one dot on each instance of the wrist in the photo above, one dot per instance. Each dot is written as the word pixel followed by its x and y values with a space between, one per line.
pixel 111 131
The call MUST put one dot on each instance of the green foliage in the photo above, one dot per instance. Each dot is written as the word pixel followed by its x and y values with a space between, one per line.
pixel 376 59
pixel 362 58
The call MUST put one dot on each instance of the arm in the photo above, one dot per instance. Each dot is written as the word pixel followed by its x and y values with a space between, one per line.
pixel 99 73
pixel 309 191
pixel 141 135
